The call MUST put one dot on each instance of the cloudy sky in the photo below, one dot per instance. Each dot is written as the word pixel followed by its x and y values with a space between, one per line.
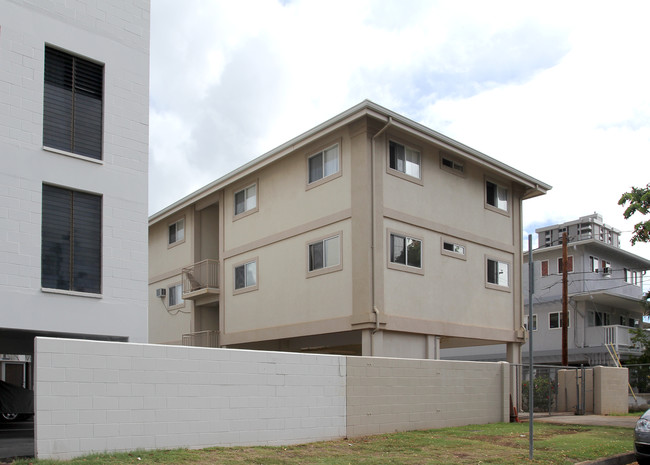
pixel 556 89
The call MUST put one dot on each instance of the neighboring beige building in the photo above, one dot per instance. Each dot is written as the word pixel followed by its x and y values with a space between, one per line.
pixel 367 235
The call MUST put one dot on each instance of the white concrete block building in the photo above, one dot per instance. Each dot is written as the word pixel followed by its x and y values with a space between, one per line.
pixel 74 102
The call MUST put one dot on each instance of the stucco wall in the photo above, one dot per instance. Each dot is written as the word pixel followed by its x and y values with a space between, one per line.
pixel 101 396
pixel 610 390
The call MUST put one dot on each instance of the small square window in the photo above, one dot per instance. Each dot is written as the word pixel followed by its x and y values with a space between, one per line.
pixel 452 166
pixel 325 254
pixel 498 273
pixel 246 199
pixel 496 196
pixel 569 267
pixel 404 159
pixel 177 232
pixel 246 276
pixel 175 295
pixel 323 164
pixel 406 251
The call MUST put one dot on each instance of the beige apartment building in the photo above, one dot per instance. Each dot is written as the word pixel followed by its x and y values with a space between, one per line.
pixel 367 235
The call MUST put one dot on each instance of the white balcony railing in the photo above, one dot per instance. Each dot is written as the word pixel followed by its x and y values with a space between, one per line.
pixel 208 338
pixel 614 335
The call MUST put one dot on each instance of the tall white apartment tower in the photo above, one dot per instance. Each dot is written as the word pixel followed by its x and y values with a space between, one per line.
pixel 74 100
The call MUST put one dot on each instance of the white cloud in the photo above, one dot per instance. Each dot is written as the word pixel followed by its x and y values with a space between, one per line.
pixel 557 90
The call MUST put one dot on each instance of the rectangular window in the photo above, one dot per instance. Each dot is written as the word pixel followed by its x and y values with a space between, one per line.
pixel 175 295
pixel 631 277
pixel 555 320
pixel 177 231
pixel 607 267
pixel 498 273
pixel 545 268
pixel 569 267
pixel 71 240
pixel 453 249
pixel 594 264
pixel 404 159
pixel 246 275
pixel 324 164
pixel 405 251
pixel 73 104
pixel 246 199
pixel 452 166
pixel 325 253
pixel 534 322
pixel 496 196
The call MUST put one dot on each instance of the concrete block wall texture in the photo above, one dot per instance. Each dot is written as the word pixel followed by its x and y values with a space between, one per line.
pixel 100 396
pixel 386 395
pixel 610 390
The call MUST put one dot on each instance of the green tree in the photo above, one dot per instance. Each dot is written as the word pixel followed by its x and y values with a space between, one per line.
pixel 639 201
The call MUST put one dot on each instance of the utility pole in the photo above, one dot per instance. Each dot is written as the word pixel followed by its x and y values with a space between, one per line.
pixel 565 303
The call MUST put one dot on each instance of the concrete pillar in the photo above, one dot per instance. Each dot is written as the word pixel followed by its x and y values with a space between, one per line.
pixel 433 347
pixel 372 345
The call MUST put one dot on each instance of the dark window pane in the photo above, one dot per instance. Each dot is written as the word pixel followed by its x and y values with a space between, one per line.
pixel 396 156
pixel 55 237
pixel 316 167
pixel 491 193
pixel 87 229
pixel 240 202
pixel 316 256
pixel 240 277
pixel 493 272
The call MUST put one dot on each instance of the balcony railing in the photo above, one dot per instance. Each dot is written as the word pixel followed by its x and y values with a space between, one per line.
pixel 202 276
pixel 614 335
pixel 208 338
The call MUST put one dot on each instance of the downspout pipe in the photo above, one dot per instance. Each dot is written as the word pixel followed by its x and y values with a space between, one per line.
pixel 372 226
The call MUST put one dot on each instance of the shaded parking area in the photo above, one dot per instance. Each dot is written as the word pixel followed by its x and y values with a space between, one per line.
pixel 16 440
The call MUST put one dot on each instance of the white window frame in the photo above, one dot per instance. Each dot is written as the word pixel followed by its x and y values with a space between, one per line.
pixel 451 165
pixel 327 267
pixel 175 224
pixel 404 171
pixel 631 277
pixel 453 248
pixel 594 264
pixel 404 266
pixel 175 292
pixel 569 259
pixel 248 286
pixel 498 188
pixel 534 321
pixel 500 264
pixel 325 177
pixel 249 208
pixel 559 320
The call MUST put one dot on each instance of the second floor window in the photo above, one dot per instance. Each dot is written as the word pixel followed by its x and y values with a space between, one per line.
pixel 496 196
pixel 175 295
pixel 71 240
pixel 569 266
pixel 555 320
pixel 73 104
pixel 405 251
pixel 498 273
pixel 325 253
pixel 246 199
pixel 246 275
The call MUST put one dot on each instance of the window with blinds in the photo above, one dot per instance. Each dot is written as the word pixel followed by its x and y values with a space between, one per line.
pixel 73 104
pixel 71 246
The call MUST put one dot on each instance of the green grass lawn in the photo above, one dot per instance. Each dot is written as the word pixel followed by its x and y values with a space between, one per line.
pixel 501 443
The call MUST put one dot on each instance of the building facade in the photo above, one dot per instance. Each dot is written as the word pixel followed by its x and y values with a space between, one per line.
pixel 604 290
pixel 74 87
pixel 605 286
pixel 368 235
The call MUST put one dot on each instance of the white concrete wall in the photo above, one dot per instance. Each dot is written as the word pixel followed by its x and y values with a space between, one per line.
pixel 114 33
pixel 102 396
pixel 610 390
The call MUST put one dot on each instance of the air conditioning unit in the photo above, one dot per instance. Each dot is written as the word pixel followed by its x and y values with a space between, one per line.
pixel 161 292
pixel 607 270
